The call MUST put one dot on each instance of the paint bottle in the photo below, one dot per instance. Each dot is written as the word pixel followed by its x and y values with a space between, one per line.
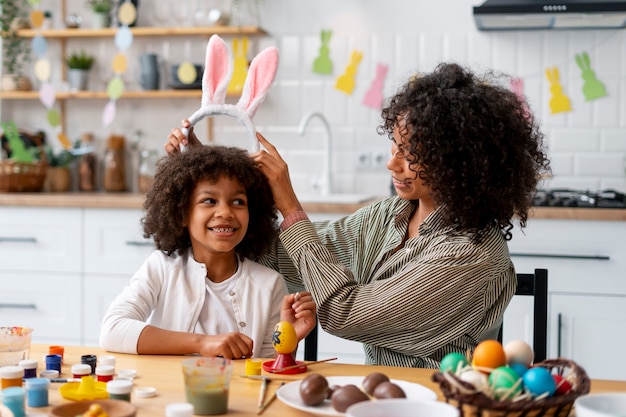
pixel 57 350
pixel 49 373
pixel 37 392
pixel 11 376
pixel 119 389
pixel 53 362
pixel 30 367
pixel 105 373
pixel 105 360
pixel 179 410
pixel 90 360
pixel 13 399
pixel 80 370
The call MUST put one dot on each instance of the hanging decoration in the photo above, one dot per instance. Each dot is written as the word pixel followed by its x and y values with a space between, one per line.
pixel 559 102
pixel 592 88
pixel 126 14
pixel 517 86
pixel 346 81
pixel 374 95
pixel 323 64
pixel 43 71
pixel 240 66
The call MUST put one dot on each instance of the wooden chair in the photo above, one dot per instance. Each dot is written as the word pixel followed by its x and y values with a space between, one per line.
pixel 536 285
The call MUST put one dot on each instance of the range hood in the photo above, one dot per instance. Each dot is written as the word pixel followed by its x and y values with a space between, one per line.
pixel 543 14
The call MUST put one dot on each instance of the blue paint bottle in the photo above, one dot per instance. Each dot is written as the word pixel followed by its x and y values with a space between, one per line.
pixel 37 392
pixel 53 362
pixel 13 399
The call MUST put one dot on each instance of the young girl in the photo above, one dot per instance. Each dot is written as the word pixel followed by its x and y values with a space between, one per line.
pixel 209 212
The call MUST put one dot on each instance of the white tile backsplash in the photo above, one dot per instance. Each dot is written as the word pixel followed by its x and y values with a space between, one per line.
pixel 587 145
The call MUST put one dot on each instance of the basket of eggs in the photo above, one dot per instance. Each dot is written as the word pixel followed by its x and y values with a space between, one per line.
pixel 500 381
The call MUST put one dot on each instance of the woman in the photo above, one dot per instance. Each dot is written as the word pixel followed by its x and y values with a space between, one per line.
pixel 427 272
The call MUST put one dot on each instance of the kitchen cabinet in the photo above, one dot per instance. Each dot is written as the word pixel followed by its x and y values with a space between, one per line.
pixel 586 261
pixel 64 36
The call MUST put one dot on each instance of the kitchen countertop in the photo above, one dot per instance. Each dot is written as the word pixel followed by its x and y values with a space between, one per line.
pixel 135 201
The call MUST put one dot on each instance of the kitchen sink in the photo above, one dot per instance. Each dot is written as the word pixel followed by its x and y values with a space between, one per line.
pixel 335 198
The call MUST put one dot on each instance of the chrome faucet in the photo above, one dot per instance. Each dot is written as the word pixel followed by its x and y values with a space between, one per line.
pixel 326 181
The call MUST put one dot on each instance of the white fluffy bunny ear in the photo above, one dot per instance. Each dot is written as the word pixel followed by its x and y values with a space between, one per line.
pixel 217 74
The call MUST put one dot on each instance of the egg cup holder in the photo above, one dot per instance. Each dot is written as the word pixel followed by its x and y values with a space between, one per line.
pixel 472 402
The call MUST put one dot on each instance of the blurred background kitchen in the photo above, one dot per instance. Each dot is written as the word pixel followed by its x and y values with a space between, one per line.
pixel 587 143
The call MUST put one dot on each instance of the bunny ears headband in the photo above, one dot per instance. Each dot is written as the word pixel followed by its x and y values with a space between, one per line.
pixel 217 73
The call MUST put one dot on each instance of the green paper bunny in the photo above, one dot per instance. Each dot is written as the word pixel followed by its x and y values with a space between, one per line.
pixel 19 153
pixel 592 88
pixel 323 64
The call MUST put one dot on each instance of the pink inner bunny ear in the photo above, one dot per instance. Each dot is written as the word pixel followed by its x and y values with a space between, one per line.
pixel 217 72
pixel 260 77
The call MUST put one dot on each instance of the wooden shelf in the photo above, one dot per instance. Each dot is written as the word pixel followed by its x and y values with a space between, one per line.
pixel 145 31
pixel 65 95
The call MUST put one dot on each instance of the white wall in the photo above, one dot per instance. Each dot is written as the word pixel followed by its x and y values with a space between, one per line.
pixel 587 145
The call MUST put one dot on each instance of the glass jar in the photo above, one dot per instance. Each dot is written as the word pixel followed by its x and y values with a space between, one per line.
pixel 147 168
pixel 115 165
pixel 87 166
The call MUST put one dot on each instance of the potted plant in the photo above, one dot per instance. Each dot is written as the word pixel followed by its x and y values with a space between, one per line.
pixel 78 66
pixel 101 12
pixel 15 49
pixel 59 176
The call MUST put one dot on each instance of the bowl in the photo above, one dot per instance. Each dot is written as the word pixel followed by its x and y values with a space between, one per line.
pixel 14 344
pixel 401 407
pixel 608 404
pixel 114 408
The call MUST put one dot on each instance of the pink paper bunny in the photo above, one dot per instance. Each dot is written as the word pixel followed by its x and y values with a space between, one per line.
pixel 217 73
pixel 374 95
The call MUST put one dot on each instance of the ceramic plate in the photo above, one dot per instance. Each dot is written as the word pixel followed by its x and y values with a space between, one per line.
pixel 290 394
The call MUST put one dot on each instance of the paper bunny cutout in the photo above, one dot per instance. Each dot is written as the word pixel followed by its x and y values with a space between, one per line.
pixel 559 101
pixel 240 66
pixel 592 88
pixel 374 95
pixel 345 82
pixel 217 74
pixel 323 64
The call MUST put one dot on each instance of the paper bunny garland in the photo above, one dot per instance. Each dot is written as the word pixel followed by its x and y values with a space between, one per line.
pixel 217 73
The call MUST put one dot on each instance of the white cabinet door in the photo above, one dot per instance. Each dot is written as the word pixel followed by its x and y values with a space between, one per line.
pixel 40 239
pixel 49 303
pixel 591 330
pixel 100 291
pixel 114 242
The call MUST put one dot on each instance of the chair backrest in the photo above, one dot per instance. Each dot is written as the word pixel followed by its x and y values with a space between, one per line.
pixel 536 286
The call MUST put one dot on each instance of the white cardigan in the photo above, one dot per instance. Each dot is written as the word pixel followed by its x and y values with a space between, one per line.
pixel 169 292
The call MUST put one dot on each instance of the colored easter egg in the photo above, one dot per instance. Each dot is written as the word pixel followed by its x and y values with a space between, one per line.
pixel 453 362
pixel 518 351
pixel 562 385
pixel 284 337
pixel 476 378
pixel 488 355
pixel 539 381
pixel 519 368
pixel 505 382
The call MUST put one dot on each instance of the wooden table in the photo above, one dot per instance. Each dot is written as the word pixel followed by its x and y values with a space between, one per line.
pixel 165 374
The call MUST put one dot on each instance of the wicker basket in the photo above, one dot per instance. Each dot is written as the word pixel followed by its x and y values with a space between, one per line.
pixel 473 403
pixel 21 176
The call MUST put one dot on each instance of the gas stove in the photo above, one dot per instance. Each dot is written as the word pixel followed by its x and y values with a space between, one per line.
pixel 576 198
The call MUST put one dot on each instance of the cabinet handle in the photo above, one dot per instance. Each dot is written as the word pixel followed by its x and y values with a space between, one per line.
pixel 22 306
pixel 18 239
pixel 557 256
pixel 558 335
pixel 138 243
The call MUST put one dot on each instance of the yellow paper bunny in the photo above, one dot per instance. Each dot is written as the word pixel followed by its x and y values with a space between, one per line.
pixel 345 82
pixel 559 102
pixel 240 66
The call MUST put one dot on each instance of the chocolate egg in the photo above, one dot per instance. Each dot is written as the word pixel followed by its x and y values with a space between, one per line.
pixel 344 397
pixel 314 389
pixel 388 389
pixel 373 379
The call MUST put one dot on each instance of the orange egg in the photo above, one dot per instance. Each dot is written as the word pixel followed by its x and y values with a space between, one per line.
pixel 488 355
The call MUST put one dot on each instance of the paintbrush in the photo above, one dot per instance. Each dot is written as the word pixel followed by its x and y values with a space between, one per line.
pixel 272 398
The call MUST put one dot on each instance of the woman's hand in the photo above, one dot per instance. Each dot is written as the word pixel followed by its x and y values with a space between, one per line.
pixel 232 345
pixel 176 138
pixel 300 310
pixel 275 169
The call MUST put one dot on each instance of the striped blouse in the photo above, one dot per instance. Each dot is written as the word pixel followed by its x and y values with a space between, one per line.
pixel 409 304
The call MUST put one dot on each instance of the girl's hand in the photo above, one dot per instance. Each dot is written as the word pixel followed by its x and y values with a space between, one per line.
pixel 275 169
pixel 300 310
pixel 176 138
pixel 232 345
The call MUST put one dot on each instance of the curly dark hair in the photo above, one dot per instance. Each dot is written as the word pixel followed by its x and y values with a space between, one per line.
pixel 474 143
pixel 167 203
